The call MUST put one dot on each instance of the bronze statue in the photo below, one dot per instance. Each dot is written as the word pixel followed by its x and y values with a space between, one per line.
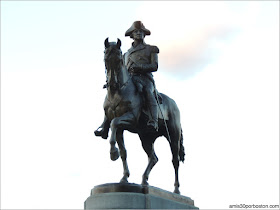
pixel 130 99
pixel 141 60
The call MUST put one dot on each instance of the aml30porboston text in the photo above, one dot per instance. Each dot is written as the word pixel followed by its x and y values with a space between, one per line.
pixel 253 206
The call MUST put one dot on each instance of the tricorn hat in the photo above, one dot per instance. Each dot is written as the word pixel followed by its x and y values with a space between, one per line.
pixel 137 25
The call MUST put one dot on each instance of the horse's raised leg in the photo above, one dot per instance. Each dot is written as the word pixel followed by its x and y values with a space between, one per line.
pixel 148 146
pixel 114 152
pixel 123 156
pixel 103 130
pixel 118 125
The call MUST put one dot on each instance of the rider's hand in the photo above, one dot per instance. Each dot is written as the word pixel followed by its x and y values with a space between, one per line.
pixel 131 70
pixel 135 67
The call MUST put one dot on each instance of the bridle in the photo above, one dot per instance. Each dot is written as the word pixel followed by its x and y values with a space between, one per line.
pixel 120 66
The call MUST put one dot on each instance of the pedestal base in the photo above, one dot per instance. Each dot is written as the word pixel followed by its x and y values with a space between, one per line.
pixel 134 196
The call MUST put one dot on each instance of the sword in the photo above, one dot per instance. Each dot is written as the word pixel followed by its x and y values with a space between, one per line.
pixel 169 139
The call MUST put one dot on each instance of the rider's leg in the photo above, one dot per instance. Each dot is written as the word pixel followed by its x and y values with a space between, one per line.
pixel 152 103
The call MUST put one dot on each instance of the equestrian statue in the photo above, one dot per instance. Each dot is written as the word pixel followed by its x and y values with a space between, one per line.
pixel 133 103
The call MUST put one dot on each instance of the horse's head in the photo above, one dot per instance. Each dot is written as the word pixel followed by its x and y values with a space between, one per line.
pixel 117 73
pixel 112 54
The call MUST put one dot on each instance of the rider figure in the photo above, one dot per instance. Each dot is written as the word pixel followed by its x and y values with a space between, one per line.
pixel 141 60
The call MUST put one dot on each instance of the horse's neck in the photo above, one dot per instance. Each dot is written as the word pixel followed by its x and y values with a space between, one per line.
pixel 118 80
pixel 123 76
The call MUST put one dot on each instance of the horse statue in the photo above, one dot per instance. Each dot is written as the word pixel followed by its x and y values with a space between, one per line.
pixel 125 110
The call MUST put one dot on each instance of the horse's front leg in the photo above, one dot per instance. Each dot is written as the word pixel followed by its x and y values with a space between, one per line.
pixel 118 125
pixel 104 129
pixel 123 156
pixel 114 152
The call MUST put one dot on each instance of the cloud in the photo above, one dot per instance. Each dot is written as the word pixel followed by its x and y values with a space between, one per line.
pixel 192 35
pixel 186 58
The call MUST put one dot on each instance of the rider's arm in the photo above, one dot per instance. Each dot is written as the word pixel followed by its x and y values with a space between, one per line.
pixel 149 67
pixel 153 66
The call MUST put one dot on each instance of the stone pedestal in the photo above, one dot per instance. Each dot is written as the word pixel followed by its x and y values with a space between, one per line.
pixel 134 196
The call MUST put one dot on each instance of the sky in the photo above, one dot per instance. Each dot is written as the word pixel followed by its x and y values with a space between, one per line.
pixel 219 60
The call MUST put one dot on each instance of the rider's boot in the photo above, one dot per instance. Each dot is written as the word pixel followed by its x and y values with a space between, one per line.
pixel 153 123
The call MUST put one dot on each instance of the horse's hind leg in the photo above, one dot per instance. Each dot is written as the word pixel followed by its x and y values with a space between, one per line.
pixel 148 146
pixel 175 162
pixel 175 146
pixel 123 155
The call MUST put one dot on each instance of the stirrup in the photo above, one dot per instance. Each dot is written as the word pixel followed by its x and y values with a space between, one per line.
pixel 153 124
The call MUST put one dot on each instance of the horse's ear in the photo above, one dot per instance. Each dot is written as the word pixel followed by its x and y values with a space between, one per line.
pixel 119 43
pixel 106 43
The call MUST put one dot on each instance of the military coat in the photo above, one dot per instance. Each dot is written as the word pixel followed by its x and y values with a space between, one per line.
pixel 141 55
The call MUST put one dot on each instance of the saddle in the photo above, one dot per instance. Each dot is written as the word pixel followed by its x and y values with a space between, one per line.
pixel 162 113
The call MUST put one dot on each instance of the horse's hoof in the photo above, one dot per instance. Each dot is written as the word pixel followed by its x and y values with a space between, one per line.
pixel 101 133
pixel 144 183
pixel 104 135
pixel 124 180
pixel 114 154
pixel 177 191
pixel 98 133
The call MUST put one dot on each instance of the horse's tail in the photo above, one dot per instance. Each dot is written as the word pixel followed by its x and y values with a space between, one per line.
pixel 182 149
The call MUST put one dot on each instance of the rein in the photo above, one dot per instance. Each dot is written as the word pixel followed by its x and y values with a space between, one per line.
pixel 117 85
pixel 124 84
pixel 113 51
pixel 119 88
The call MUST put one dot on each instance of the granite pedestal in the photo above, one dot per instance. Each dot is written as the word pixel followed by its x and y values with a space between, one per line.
pixel 134 196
